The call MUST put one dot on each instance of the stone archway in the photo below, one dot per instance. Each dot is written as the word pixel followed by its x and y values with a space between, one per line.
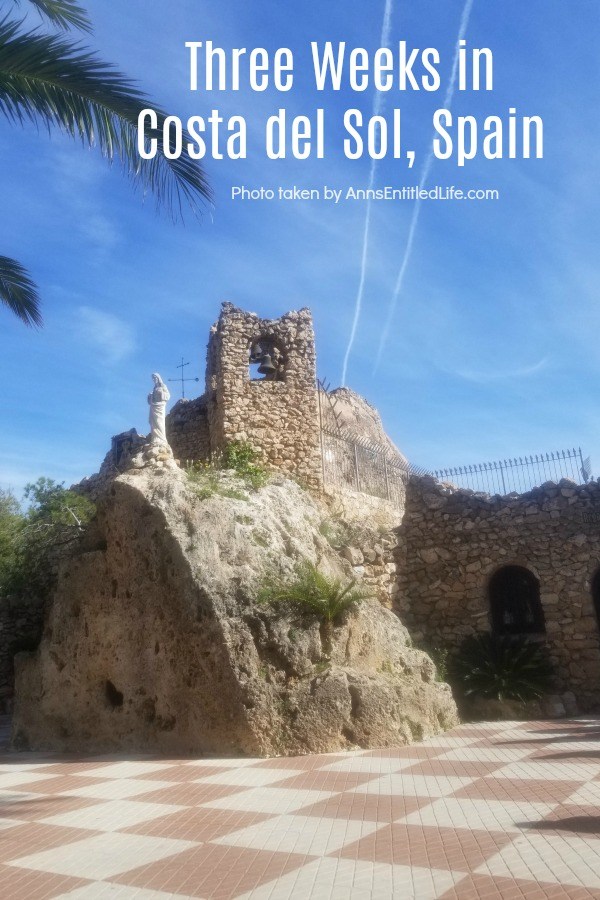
pixel 515 606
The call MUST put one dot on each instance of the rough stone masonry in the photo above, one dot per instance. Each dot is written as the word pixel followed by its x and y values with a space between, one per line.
pixel 279 417
pixel 452 541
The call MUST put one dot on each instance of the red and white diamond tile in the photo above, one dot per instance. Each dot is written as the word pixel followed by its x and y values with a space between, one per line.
pixel 493 810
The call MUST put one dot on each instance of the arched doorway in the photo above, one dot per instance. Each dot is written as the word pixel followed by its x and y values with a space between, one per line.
pixel 515 604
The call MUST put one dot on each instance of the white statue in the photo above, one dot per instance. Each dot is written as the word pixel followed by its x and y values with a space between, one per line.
pixel 158 407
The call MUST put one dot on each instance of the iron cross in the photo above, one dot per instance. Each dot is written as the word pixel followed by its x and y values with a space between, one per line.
pixel 183 380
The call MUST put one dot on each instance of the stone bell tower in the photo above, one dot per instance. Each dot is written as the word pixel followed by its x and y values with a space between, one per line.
pixel 261 387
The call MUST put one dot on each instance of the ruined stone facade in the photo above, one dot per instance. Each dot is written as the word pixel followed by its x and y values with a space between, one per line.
pixel 454 542
pixel 188 430
pixel 278 414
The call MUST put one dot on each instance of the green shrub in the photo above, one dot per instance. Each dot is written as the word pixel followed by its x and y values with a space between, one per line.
pixel 243 459
pixel 313 593
pixel 238 457
pixel 12 521
pixel 55 518
pixel 501 668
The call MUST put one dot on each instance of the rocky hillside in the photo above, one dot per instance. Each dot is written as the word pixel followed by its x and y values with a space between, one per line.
pixel 357 418
pixel 155 640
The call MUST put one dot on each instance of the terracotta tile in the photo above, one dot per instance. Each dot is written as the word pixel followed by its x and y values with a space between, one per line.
pixel 213 871
pixel 71 767
pixel 458 850
pixel 474 731
pixel 483 887
pixel 24 840
pixel 301 762
pixel 31 809
pixel 526 744
pixel 571 819
pixel 25 884
pixel 326 781
pixel 183 774
pixel 59 784
pixel 530 790
pixel 188 794
pixel 199 824
pixel 222 872
pixel 410 751
pixel 370 807
pixel 584 752
pixel 450 767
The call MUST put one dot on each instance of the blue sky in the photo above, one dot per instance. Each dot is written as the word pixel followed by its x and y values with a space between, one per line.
pixel 493 348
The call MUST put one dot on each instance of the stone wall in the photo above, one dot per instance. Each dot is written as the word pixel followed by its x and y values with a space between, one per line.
pixel 452 541
pixel 279 417
pixel 187 430
pixel 353 506
pixel 372 559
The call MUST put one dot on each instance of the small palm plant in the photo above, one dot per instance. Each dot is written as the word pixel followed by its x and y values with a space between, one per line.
pixel 313 593
pixel 501 668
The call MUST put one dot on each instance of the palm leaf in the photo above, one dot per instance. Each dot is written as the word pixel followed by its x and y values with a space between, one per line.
pixel 62 13
pixel 48 79
pixel 18 292
pixel 502 667
pixel 314 593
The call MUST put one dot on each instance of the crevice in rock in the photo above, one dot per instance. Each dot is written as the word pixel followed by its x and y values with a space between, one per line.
pixel 348 735
pixel 355 701
pixel 114 697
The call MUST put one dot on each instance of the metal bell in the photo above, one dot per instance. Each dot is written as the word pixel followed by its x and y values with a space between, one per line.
pixel 266 367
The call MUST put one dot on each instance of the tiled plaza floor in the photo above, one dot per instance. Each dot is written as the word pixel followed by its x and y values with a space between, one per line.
pixel 499 810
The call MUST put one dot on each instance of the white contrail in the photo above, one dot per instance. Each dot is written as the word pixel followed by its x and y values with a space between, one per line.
pixel 377 108
pixel 464 23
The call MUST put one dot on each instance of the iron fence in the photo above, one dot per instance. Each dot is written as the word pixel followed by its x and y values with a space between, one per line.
pixel 356 462
pixel 362 466
pixel 520 474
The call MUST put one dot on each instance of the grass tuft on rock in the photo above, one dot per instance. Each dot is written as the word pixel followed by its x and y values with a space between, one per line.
pixel 239 459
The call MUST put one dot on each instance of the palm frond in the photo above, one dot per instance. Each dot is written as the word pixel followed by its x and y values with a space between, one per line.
pixel 501 667
pixel 64 14
pixel 314 593
pixel 18 291
pixel 49 79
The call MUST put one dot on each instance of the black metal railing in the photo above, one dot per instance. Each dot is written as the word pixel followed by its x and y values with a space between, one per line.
pixel 363 466
pixel 520 474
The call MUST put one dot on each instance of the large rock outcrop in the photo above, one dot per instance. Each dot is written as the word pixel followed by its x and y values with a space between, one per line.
pixel 358 419
pixel 155 642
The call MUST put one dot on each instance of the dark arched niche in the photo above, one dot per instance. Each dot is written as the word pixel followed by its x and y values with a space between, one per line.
pixel 268 359
pixel 515 605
